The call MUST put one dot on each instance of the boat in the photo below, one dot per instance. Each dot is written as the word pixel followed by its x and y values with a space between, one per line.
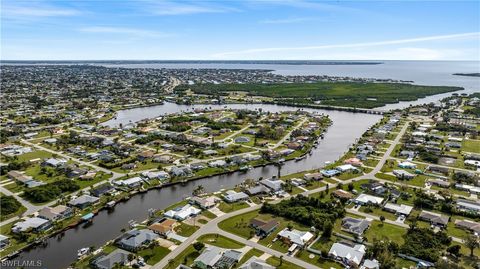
pixel 82 252
pixel 245 168
pixel 88 217
pixel 299 158
pixel 282 160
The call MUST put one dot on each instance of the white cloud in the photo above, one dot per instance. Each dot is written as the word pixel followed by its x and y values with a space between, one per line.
pixel 287 20
pixel 475 35
pixel 17 11
pixel 123 31
pixel 185 8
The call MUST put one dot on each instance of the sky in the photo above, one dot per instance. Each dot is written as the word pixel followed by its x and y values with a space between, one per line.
pixel 239 30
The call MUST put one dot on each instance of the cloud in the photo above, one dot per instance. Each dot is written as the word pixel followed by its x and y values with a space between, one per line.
pixel 123 31
pixel 286 21
pixel 17 11
pixel 169 8
pixel 475 35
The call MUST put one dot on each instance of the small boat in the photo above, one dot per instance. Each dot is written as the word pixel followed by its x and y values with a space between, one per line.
pixel 111 204
pixel 282 160
pixel 82 252
pixel 245 168
pixel 88 217
pixel 300 158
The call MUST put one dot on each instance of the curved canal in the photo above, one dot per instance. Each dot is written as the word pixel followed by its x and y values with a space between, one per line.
pixel 60 252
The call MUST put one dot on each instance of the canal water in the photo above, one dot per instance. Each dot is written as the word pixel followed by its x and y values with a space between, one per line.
pixel 60 252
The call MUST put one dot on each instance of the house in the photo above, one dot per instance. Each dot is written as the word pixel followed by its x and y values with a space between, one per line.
pixel 370 264
pixel 329 173
pixel 134 240
pixel 346 168
pixel 102 190
pixel 341 194
pixel 204 202
pixel 409 154
pixel 210 152
pixel 55 213
pixel 111 260
pixel 182 171
pixel 439 182
pixel 438 169
pixel 353 161
pixel 434 218
pixel 469 188
pixel 233 196
pixel 257 190
pixel 214 257
pixel 256 263
pixel 474 163
pixel 263 228
pixel 182 213
pixel 300 238
pixel 35 224
pixel 398 209
pixel 218 163
pixel 144 155
pixel 160 175
pixel 20 177
pixel 163 159
pixel 364 199
pixel 131 182
pixel 274 185
pixel 375 187
pixel 407 165
pixel 4 241
pixel 355 226
pixel 468 205
pixel 54 162
pixel 163 227
pixel 83 201
pixel 350 255
pixel 402 174
pixel 242 139
pixel 313 176
pixel 472 226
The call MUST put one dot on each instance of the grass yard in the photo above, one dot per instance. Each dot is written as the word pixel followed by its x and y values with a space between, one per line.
pixel 186 257
pixel 185 229
pixel 252 252
pixel 380 230
pixel 471 146
pixel 153 255
pixel 230 207
pixel 220 241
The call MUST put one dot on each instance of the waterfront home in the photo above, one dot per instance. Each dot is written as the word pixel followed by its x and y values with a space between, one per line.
pixel 313 176
pixel 355 226
pixel 353 161
pixel 365 199
pixel 182 213
pixel 468 205
pixel 83 201
pixel 256 263
pixel 131 182
pixel 198 166
pixel 398 209
pixel 204 202
pixel 257 190
pixel 402 174
pixel 55 213
pixel 111 260
pixel 160 175
pixel 472 226
pixel 232 196
pixel 102 190
pixel 350 255
pixel 252 157
pixel 218 163
pixel 329 173
pixel 182 171
pixel 263 228
pixel 4 241
pixel 134 240
pixel 163 227
pixel 299 238
pixel 435 219
pixel 34 224
pixel 272 184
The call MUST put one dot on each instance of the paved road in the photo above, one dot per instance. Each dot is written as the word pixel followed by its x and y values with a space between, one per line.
pixel 212 226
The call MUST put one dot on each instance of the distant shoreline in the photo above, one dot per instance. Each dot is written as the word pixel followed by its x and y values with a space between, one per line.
pixel 285 62
pixel 467 74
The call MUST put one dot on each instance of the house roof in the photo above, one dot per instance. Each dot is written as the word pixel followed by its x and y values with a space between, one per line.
pixel 433 217
pixel 353 254
pixel 366 198
pixel 399 208
pixel 256 263
pixel 115 257
pixel 210 256
pixel 135 238
pixel 83 200
pixel 356 226
pixel 296 236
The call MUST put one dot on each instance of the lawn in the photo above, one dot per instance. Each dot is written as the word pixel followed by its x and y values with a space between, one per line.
pixel 252 252
pixel 153 255
pixel 230 207
pixel 282 264
pixel 316 260
pixel 220 241
pixel 471 146
pixel 186 257
pixel 185 229
pixel 380 230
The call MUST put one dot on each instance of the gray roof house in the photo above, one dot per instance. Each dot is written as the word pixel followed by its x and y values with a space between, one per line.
pixel 256 263
pixel 208 258
pixel 83 201
pixel 434 218
pixel 274 185
pixel 233 196
pixel 118 256
pixel 135 239
pixel 349 255
pixel 355 226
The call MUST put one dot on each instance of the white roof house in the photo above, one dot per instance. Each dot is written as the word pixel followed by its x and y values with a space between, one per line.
pixel 29 223
pixel 347 253
pixel 131 182
pixel 398 208
pixel 295 236
pixel 272 184
pixel 233 196
pixel 156 175
pixel 345 168
pixel 368 199
pixel 218 163
pixel 182 213
pixel 55 162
